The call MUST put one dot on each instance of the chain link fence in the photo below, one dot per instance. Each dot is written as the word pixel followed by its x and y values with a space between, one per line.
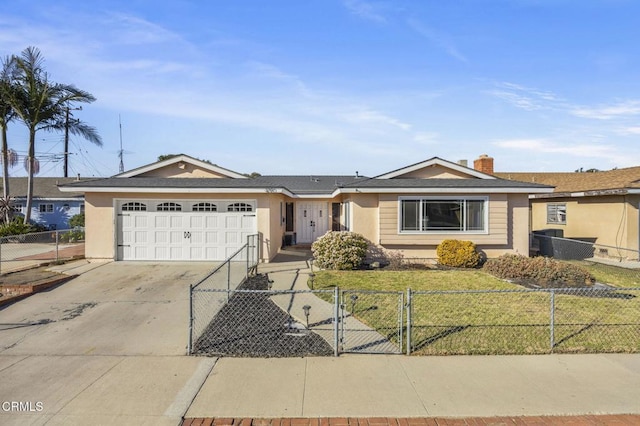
pixel 205 302
pixel 27 250
pixel 565 320
pixel 234 312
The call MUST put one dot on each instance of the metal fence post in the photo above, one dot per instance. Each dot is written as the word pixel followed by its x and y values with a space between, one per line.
pixel 552 315
pixel 228 279
pixel 409 301
pixel 246 275
pixel 190 342
pixel 57 240
pixel 336 319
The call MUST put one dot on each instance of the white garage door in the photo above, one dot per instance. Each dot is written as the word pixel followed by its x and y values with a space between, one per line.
pixel 183 230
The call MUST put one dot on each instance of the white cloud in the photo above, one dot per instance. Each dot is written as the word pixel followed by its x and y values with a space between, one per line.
pixel 527 98
pixel 550 146
pixel 607 112
pixel 366 10
pixel 426 138
pixel 439 39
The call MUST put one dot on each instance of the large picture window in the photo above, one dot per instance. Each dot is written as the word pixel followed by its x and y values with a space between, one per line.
pixel 443 215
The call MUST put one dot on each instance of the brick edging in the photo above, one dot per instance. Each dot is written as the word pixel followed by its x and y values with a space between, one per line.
pixel 583 420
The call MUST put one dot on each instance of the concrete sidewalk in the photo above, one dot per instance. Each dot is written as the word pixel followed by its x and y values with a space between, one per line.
pixel 401 386
pixel 161 390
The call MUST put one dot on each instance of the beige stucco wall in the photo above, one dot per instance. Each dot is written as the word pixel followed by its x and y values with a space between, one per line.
pixel 364 214
pixel 435 171
pixel 101 225
pixel 610 220
pixel 186 171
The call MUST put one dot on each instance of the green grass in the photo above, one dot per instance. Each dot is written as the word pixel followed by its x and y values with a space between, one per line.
pixel 612 275
pixel 493 322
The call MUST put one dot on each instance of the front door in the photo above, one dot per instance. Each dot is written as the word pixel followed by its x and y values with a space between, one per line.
pixel 312 221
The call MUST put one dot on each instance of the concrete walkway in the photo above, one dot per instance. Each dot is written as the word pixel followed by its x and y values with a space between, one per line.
pixel 294 275
pixel 129 389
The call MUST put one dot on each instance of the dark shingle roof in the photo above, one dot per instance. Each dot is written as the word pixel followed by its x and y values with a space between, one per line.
pixel 43 187
pixel 302 184
pixel 444 183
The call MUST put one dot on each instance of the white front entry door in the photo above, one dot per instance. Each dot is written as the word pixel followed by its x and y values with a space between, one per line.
pixel 313 221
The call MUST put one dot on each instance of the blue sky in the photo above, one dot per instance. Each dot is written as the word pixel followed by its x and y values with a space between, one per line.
pixel 335 86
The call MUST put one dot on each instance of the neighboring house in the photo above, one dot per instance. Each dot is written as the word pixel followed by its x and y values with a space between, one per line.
pixel 49 207
pixel 599 207
pixel 186 209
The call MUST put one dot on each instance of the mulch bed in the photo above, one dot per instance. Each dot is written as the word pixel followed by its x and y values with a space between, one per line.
pixel 251 325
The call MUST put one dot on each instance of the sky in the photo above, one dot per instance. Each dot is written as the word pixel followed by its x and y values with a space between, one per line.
pixel 338 86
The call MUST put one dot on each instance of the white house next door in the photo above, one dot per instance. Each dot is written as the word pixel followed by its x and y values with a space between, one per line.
pixel 312 221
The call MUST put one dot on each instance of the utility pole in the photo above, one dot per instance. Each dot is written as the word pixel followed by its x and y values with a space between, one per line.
pixel 66 139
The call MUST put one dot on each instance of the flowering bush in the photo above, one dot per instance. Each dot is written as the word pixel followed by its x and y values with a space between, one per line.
pixel 540 270
pixel 339 250
pixel 458 254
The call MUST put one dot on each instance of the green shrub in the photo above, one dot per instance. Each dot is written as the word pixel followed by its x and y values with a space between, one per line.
pixel 458 254
pixel 543 271
pixel 339 250
pixel 18 227
pixel 72 236
pixel 77 221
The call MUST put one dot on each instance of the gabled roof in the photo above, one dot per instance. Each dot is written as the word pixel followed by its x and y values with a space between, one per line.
pixel 432 162
pixel 590 183
pixel 410 179
pixel 304 186
pixel 185 159
pixel 43 187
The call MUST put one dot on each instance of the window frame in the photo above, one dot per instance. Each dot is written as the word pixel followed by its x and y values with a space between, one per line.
pixel 238 207
pixel 168 206
pixel 553 208
pixel 422 200
pixel 48 208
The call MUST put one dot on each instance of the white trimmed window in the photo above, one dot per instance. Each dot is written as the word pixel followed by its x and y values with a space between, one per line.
pixel 169 207
pixel 443 215
pixel 240 207
pixel 134 207
pixel 45 208
pixel 204 207
pixel 557 213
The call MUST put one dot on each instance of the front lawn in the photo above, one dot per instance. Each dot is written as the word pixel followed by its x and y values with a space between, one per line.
pixel 471 312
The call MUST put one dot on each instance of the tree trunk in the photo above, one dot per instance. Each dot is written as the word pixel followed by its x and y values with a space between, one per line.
pixel 30 158
pixel 5 171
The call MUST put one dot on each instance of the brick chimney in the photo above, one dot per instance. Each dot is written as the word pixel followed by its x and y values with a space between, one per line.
pixel 484 164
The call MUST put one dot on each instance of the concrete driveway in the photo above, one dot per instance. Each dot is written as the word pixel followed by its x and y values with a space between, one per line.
pixel 123 308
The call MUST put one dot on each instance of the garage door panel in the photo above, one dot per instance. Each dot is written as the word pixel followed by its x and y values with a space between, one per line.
pixel 182 235
pixel 231 222
pixel 196 222
pixel 176 237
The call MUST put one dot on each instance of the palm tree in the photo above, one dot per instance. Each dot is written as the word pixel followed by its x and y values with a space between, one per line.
pixel 9 157
pixel 41 105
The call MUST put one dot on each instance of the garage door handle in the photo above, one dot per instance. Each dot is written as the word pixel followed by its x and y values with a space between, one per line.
pixel 187 234
pixel 248 215
pixel 124 245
